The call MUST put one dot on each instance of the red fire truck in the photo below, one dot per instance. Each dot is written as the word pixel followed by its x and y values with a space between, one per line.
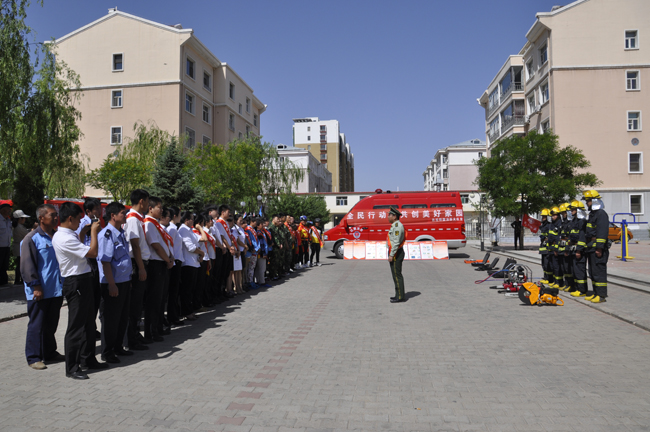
pixel 426 216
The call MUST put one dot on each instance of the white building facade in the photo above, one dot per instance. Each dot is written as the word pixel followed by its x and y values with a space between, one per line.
pixel 316 177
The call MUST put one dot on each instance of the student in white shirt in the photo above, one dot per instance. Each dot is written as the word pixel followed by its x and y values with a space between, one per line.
pixel 192 257
pixel 201 281
pixel 228 241
pixel 160 261
pixel 78 290
pixel 173 297
pixel 216 273
pixel 139 252
pixel 237 258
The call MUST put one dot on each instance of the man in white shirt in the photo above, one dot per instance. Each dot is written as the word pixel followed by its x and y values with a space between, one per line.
pixel 216 273
pixel 6 229
pixel 160 261
pixel 78 290
pixel 192 257
pixel 173 299
pixel 139 252
pixel 229 248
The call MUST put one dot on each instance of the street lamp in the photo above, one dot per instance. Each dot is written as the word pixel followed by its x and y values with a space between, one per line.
pixel 482 221
pixel 259 205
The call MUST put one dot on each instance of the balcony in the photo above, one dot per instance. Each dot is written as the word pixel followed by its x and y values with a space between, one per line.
pixel 513 87
pixel 493 108
pixel 494 136
pixel 510 121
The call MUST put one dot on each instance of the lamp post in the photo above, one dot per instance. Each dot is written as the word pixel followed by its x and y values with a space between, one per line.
pixel 259 205
pixel 482 221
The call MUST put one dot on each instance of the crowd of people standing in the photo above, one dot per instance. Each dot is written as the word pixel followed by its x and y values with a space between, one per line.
pixel 151 265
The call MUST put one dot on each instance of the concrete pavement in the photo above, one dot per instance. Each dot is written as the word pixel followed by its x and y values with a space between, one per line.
pixel 326 351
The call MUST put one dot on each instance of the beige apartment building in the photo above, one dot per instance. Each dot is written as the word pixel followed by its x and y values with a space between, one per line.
pixel 133 69
pixel 580 74
pixel 323 138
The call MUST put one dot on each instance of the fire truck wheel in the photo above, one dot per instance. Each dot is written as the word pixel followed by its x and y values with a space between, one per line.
pixel 339 250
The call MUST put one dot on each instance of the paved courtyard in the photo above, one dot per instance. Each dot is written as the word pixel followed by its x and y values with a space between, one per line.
pixel 326 351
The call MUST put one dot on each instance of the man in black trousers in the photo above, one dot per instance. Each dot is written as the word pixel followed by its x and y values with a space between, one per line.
pixel 78 290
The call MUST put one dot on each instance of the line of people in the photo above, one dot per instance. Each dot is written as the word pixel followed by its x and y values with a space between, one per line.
pixel 573 240
pixel 152 260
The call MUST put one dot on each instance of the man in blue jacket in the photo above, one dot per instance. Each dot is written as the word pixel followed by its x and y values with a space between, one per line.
pixel 43 286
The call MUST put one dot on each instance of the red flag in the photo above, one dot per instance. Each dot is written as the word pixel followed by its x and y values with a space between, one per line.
pixel 531 223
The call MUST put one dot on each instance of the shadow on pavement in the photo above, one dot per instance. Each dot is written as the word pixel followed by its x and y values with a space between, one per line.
pixel 412 294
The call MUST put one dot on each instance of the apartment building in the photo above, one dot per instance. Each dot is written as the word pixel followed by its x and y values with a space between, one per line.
pixel 453 168
pixel 133 69
pixel 580 74
pixel 316 177
pixel 323 138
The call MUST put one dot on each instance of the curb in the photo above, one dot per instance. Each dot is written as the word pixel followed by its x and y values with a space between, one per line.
pixel 567 296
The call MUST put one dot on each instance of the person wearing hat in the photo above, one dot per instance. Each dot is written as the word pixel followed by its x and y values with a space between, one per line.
pixel 316 244
pixel 577 244
pixel 5 241
pixel 396 239
pixel 20 231
pixel 554 242
pixel 597 243
pixel 303 233
pixel 564 249
pixel 543 247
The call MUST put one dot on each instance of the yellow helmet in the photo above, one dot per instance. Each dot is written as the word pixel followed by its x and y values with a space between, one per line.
pixel 590 194
pixel 555 210
pixel 564 207
pixel 575 204
pixel 546 212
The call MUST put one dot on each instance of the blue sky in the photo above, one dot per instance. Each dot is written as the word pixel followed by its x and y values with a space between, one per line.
pixel 402 77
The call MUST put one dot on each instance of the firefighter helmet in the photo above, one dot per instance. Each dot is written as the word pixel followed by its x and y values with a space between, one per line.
pixel 564 207
pixel 575 204
pixel 546 212
pixel 590 194
pixel 555 210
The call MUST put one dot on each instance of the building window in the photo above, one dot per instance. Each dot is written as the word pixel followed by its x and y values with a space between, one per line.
pixel 323 128
pixel 632 80
pixel 231 92
pixel 191 138
pixel 206 113
pixel 231 122
pixel 631 39
pixel 636 204
pixel 543 93
pixel 341 200
pixel 530 72
pixel 240 109
pixel 464 199
pixel 254 119
pixel 189 68
pixel 241 135
pixel 248 130
pixel 480 155
pixel 189 103
pixel 308 138
pixel 543 55
pixel 635 165
pixel 207 81
pixel 546 126
pixel 323 156
pixel 206 141
pixel 323 137
pixel 323 147
pixel 116 99
pixel 116 135
pixel 308 128
pixel 248 105
pixel 118 65
pixel 444 159
pixel 531 103
pixel 634 120
pixel 445 174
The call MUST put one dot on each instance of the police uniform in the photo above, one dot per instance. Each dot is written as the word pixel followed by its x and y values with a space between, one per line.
pixel 396 238
pixel 596 235
pixel 114 249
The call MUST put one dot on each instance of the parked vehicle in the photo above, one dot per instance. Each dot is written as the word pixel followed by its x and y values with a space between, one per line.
pixel 426 216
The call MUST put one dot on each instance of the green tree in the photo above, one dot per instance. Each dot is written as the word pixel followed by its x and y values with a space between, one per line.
pixel 39 133
pixel 172 179
pixel 312 206
pixel 242 170
pixel 527 173
pixel 131 166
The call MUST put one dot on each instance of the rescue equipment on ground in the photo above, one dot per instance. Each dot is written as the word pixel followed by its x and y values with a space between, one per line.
pixel 535 294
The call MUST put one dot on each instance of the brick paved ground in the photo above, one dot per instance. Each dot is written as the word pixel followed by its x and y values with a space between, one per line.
pixel 326 351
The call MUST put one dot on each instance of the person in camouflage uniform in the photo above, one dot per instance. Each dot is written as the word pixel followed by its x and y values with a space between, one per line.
pixel 288 243
pixel 276 256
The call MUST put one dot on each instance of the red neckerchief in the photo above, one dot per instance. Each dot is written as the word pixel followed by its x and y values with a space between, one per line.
pixel 225 226
pixel 139 217
pixel 289 227
pixel 315 231
pixel 211 240
pixel 164 234
pixel 198 233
